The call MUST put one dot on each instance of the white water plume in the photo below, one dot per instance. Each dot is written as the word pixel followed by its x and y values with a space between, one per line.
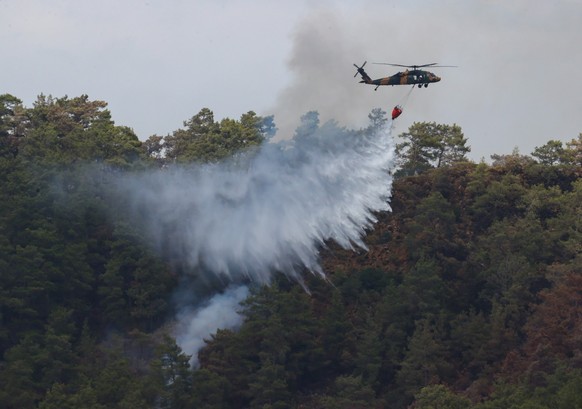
pixel 272 214
pixel 267 212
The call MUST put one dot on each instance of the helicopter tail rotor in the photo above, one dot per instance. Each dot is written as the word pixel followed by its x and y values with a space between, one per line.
pixel 365 77
pixel 360 69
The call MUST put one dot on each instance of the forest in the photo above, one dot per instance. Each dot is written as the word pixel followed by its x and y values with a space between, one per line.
pixel 468 296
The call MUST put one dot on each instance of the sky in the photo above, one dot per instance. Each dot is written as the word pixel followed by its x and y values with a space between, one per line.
pixel 157 63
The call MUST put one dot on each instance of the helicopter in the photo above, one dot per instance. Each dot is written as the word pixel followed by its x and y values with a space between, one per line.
pixel 408 77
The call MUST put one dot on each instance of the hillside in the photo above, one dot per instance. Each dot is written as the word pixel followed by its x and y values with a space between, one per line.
pixel 467 295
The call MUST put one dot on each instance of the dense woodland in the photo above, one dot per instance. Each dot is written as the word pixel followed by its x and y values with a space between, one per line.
pixel 469 296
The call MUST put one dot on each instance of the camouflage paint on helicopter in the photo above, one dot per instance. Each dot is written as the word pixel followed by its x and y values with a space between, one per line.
pixel 408 77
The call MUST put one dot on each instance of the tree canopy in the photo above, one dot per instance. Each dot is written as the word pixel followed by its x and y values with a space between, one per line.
pixel 431 145
pixel 468 295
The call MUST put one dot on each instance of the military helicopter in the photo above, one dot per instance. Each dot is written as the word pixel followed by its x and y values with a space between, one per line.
pixel 408 77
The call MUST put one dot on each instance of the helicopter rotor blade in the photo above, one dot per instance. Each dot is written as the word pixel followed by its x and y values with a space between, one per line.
pixel 414 67
pixel 407 66
pixel 394 65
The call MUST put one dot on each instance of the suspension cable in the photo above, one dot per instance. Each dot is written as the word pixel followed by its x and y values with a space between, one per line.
pixel 405 98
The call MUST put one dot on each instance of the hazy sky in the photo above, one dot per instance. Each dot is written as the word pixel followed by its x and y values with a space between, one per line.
pixel 158 62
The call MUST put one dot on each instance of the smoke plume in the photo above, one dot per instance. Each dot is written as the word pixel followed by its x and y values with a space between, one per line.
pixel 196 323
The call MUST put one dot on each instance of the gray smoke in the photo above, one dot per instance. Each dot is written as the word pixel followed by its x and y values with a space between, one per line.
pixel 196 323
pixel 265 212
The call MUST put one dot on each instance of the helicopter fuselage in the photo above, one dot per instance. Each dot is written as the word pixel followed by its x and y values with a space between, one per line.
pixel 408 77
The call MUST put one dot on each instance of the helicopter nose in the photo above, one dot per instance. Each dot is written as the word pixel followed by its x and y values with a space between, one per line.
pixel 437 79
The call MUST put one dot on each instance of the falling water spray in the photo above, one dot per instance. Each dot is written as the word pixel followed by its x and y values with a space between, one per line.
pixel 267 212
